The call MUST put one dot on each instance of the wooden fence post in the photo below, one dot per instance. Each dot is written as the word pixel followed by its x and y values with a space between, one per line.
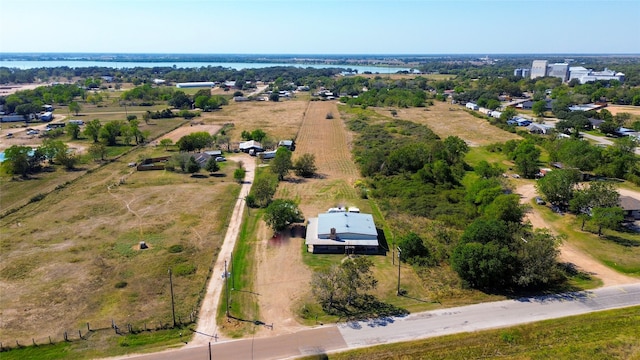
pixel 50 340
pixel 33 341
pixel 79 334
pixel 88 329
pixel 66 337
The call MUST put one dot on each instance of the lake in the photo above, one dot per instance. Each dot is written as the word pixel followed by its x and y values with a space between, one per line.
pixel 30 64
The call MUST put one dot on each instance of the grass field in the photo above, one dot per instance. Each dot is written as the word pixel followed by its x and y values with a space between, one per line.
pixel 578 337
pixel 449 120
pixel 77 259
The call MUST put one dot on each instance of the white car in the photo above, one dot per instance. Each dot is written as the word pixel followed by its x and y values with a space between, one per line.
pixel 220 159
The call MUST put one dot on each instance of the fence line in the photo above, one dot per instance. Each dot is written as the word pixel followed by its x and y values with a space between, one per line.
pixel 118 329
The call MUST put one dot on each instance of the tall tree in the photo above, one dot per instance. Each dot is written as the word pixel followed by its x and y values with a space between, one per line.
pixel 92 129
pixel 607 217
pixel 281 213
pixel 16 160
pixel 558 185
pixel 75 107
pixel 526 157
pixel 281 163
pixel 73 130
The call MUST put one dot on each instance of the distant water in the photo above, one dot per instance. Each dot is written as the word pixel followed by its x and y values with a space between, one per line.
pixel 27 64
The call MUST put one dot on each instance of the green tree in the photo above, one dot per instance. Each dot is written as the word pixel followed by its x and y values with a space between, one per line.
pixel 485 266
pixel 558 185
pixel 506 208
pixel 192 165
pixel 73 130
pixel 526 157
pixel 51 148
pixel 263 188
pixel 166 143
pixel 16 160
pixel 597 194
pixel 455 149
pixel 212 165
pixel 507 114
pixel 75 107
pixel 414 251
pixel 281 163
pixel 538 259
pixel 305 166
pixel 281 213
pixel 66 159
pixel 539 107
pixel 486 170
pixel 239 174
pixel 274 96
pixel 340 286
pixel 98 150
pixel 110 132
pixel 607 217
pixel 92 129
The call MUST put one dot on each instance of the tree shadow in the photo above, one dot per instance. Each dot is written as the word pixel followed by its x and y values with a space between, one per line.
pixel 199 176
pixel 622 241
pixel 217 175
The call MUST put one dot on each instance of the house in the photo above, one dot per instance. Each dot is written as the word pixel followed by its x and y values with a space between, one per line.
pixel 631 207
pixel 539 128
pixel 289 144
pixel 342 232
pixel 250 145
pixel 472 106
pixel 595 123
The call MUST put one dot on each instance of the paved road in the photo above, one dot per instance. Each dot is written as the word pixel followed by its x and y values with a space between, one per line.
pixel 415 326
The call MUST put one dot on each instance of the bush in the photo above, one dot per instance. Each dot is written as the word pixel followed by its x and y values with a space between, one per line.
pixel 329 116
pixel 174 249
pixel 121 284
pixel 38 197
pixel 184 269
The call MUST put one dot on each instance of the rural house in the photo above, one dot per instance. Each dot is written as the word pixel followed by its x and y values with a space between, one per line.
pixel 289 144
pixel 247 146
pixel 342 232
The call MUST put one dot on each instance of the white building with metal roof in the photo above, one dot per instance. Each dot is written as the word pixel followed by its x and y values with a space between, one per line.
pixel 342 232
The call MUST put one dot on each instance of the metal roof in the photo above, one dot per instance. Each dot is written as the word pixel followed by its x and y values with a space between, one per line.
pixel 346 223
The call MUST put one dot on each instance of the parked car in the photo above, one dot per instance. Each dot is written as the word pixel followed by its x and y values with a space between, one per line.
pixel 220 159
pixel 539 201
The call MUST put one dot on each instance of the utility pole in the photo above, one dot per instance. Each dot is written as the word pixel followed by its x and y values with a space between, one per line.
pixel 226 279
pixel 233 286
pixel 173 309
pixel 399 252
pixel 209 350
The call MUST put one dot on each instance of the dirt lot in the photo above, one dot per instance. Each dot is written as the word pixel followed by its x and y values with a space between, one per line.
pixel 446 119
pixel 568 252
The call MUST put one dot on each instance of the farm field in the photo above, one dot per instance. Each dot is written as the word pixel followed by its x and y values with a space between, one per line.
pixel 616 109
pixel 448 120
pixel 74 257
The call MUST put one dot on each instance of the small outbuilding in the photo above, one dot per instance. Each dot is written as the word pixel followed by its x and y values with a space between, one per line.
pixel 247 146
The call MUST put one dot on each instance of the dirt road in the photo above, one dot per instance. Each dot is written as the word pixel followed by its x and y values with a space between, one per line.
pixel 568 252
pixel 207 325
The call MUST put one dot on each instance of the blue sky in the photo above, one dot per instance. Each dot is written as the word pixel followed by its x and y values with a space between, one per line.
pixel 321 27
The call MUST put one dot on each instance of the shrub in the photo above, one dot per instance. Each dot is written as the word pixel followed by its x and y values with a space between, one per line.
pixel 121 284
pixel 329 116
pixel 174 249
pixel 38 197
pixel 184 269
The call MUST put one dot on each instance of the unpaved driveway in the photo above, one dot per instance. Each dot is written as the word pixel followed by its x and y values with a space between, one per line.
pixel 568 252
pixel 207 325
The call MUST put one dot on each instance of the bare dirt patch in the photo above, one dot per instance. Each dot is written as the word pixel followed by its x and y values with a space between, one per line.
pixel 451 120
pixel 568 252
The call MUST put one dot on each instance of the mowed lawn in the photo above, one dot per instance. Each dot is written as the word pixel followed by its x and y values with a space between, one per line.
pixel 451 120
pixel 74 256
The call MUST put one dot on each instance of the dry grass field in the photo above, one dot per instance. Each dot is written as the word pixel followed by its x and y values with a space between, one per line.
pixel 616 109
pixel 74 256
pixel 446 120
pixel 178 133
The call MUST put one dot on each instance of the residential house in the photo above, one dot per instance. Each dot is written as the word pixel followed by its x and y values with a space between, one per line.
pixel 342 232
